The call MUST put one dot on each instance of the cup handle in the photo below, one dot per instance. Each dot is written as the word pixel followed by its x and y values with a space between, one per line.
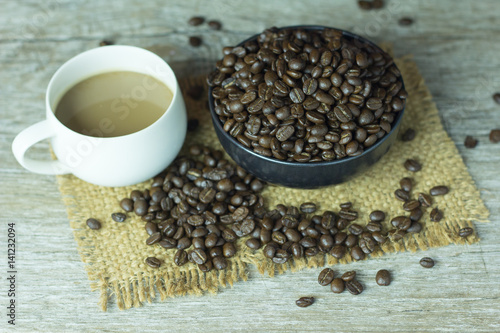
pixel 27 138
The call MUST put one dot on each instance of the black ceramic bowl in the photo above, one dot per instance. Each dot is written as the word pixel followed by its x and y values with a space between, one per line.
pixel 304 175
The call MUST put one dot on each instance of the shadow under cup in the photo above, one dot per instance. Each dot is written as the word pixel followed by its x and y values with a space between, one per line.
pixel 121 160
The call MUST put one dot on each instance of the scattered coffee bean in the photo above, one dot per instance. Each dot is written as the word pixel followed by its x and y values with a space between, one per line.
pixel 93 224
pixel 406 184
pixel 348 276
pixel 365 4
pixel 154 238
pixel 377 216
pixel 408 135
pixel 196 20
pixel 153 262
pixel 106 42
pixel 425 199
pixel 436 215
pixel 127 204
pixel 383 277
pixel 118 217
pixel 195 41
pixel 180 257
pixel 220 263
pixel 253 243
pixel 308 207
pixel 427 262
pixel 214 25
pixel 405 21
pixel 496 98
pixel 354 287
pixel 412 165
pixel 415 227
pixel 495 135
pixel 465 232
pixel 439 190
pixel 304 302
pixel 470 142
pixel 325 277
pixel 337 286
pixel 401 195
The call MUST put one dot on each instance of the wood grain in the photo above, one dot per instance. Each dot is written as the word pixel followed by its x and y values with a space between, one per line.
pixel 456 46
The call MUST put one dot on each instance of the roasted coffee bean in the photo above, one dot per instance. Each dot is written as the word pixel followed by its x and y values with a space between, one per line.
pixel 411 205
pixel 228 250
pixel 381 239
pixel 219 263
pixel 348 276
pixel 401 195
pixel 153 262
pixel 154 238
pixel 348 215
pixel 425 199
pixel 337 286
pixel 398 234
pixel 412 165
pixel 127 204
pixel 354 287
pixel 168 243
pixel 427 262
pixel 351 240
pixel 415 227
pixel 436 215
pixel 365 4
pixel 374 226
pixel 140 207
pixel 325 277
pixel 214 25
pixel 118 217
pixel 180 257
pixel 439 190
pixel 355 229
pixel 151 228
pixel 196 20
pixel 495 135
pixel 308 207
pixel 253 243
pixel 304 302
pixel 184 243
pixel 281 256
pixel 106 43
pixel 406 184
pixel 93 224
pixel 270 250
pixel 377 216
pixel 357 253
pixel 496 97
pixel 470 142
pixel 416 214
pixel 405 21
pixel 195 41
pixel 338 251
pixel 383 277
pixel 465 232
pixel 199 256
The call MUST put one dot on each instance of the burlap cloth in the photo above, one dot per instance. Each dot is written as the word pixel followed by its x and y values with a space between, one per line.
pixel 114 255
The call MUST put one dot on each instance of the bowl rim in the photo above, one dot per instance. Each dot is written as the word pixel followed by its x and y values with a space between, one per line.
pixel 395 124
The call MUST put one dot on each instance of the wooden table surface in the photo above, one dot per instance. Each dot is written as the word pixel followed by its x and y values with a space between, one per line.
pixel 456 45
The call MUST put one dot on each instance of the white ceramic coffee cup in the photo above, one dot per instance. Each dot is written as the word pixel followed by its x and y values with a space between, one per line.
pixel 108 161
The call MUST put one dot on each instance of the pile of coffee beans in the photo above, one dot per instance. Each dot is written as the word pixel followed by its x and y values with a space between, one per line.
pixel 295 232
pixel 306 95
pixel 338 285
pixel 199 206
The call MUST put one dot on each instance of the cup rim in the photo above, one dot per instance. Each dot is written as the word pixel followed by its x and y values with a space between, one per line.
pixel 394 124
pixel 51 112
